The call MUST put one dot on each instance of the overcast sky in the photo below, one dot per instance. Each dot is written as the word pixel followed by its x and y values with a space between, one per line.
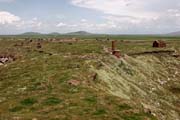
pixel 96 16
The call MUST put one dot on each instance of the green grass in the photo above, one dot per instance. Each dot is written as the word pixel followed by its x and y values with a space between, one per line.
pixel 133 117
pixel 99 112
pixel 124 107
pixel 138 116
pixel 52 101
pixel 91 99
pixel 16 109
pixel 28 101
pixel 35 85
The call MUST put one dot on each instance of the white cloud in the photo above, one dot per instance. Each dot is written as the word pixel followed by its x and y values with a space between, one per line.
pixel 8 18
pixel 33 23
pixel 83 20
pixel 135 8
pixel 143 16
pixel 9 22
pixel 61 24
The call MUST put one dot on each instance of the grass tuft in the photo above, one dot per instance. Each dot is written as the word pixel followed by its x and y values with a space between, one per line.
pixel 29 101
pixel 16 109
pixel 52 101
pixel 100 112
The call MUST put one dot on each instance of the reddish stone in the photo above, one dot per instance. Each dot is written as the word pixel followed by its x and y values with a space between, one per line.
pixel 74 82
pixel 159 44
pixel 113 45
pixel 117 53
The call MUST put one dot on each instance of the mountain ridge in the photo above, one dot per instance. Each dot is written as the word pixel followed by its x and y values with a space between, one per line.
pixel 177 33
pixel 57 33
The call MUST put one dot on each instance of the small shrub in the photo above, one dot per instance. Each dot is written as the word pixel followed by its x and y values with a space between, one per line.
pixel 132 117
pixel 64 78
pixel 28 101
pixel 100 112
pixel 91 99
pixel 123 107
pixel 137 116
pixel 16 109
pixel 52 101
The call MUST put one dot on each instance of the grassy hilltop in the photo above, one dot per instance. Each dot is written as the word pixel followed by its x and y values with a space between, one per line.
pixel 136 87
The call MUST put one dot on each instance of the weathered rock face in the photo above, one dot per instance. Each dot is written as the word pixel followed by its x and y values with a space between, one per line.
pixel 147 79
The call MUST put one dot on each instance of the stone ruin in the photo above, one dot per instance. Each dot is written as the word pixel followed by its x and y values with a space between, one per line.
pixel 6 58
pixel 39 45
pixel 115 52
pixel 159 44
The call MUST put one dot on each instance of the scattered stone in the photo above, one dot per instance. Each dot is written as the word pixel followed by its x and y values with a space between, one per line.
pixel 39 45
pixel 16 118
pixel 176 55
pixel 22 89
pixel 6 58
pixel 95 76
pixel 74 82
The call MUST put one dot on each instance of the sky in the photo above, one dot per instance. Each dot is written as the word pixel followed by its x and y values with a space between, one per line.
pixel 95 16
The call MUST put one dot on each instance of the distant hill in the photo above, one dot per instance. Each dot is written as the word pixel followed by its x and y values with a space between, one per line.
pixel 174 33
pixel 31 33
pixel 79 33
pixel 54 33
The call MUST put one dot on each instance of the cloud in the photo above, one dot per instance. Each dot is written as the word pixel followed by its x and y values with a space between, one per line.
pixel 143 16
pixel 10 22
pixel 83 20
pixel 119 7
pixel 34 23
pixel 8 18
pixel 61 24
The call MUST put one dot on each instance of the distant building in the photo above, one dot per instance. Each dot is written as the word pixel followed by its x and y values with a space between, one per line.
pixel 159 44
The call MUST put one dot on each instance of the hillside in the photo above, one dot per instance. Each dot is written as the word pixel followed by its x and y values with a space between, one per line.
pixel 174 33
pixel 54 33
pixel 79 33
pixel 80 80
pixel 31 33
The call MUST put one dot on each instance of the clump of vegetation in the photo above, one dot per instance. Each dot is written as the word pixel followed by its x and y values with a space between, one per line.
pixel 138 116
pixel 91 100
pixel 28 101
pixel 100 112
pixel 52 101
pixel 124 107
pixel 16 109
pixel 133 117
